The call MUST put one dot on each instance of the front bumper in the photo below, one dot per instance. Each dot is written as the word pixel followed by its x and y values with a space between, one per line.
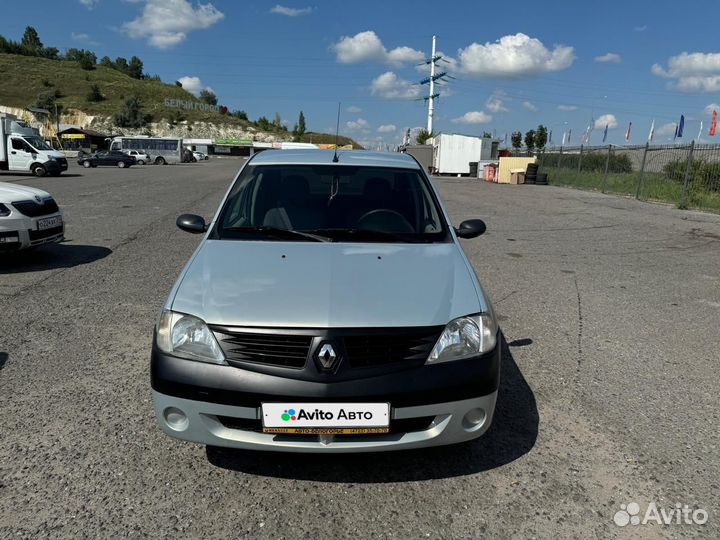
pixel 221 404
pixel 212 424
pixel 21 232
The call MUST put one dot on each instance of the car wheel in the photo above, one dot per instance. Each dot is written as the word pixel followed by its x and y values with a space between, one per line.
pixel 121 164
pixel 141 162
pixel 160 161
pixel 39 170
pixel 87 164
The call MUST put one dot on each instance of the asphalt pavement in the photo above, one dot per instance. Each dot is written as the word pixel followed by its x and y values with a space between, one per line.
pixel 609 306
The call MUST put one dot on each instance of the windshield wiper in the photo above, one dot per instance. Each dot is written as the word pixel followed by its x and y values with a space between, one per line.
pixel 355 234
pixel 278 232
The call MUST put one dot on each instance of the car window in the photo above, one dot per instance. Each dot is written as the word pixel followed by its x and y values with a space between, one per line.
pixel 340 201
pixel 17 144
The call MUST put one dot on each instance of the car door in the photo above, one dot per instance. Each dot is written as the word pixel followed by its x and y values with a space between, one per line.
pixel 101 158
pixel 20 157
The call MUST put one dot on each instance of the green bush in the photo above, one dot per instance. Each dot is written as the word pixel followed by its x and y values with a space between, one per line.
pixel 591 162
pixel 702 175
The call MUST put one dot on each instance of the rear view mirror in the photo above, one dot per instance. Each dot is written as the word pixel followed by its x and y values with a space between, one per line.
pixel 191 223
pixel 471 228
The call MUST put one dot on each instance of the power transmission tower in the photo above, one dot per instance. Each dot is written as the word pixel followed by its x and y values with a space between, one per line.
pixel 434 76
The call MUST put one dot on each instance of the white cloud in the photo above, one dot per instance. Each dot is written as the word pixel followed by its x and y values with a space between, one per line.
pixel 495 104
pixel 712 107
pixel 513 56
pixel 90 4
pixel 367 47
pixel 166 23
pixel 691 72
pixel 353 109
pixel 291 12
pixel 666 130
pixel 389 86
pixel 612 58
pixel 193 85
pixel 608 120
pixel 640 28
pixel 567 108
pixel 82 36
pixel 358 125
pixel 473 117
pixel 387 128
pixel 529 106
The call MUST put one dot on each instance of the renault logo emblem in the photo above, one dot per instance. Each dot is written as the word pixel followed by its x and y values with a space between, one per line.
pixel 38 199
pixel 327 357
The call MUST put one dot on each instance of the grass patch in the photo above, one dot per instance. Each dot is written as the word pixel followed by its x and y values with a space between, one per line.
pixel 656 187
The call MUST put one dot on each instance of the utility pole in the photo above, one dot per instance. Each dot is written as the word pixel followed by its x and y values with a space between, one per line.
pixel 431 96
pixel 434 76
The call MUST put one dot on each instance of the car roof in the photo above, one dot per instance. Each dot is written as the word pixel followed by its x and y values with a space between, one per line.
pixel 356 158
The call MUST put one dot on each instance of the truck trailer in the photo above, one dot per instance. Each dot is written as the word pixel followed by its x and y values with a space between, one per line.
pixel 452 153
pixel 23 150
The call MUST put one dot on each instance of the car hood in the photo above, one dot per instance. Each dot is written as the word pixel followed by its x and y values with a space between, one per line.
pixel 55 154
pixel 321 285
pixel 14 192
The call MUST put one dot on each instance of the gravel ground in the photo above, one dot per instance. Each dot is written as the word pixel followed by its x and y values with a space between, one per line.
pixel 610 308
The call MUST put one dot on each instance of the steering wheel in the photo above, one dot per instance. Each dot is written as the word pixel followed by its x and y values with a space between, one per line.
pixel 385 220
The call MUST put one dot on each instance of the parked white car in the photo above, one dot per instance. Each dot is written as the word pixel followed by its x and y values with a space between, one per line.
pixel 141 157
pixel 29 217
pixel 199 156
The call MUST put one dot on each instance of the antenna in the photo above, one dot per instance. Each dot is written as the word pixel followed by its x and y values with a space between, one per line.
pixel 337 134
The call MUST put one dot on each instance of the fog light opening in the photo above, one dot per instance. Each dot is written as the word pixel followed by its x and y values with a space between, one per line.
pixel 175 419
pixel 474 419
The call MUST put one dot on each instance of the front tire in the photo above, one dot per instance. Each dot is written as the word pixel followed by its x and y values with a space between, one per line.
pixel 87 164
pixel 121 164
pixel 39 171
pixel 141 162
pixel 160 161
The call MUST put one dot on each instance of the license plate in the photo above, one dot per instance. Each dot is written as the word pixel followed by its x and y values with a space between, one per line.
pixel 49 222
pixel 326 418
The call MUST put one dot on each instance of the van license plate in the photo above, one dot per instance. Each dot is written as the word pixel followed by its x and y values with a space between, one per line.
pixel 326 418
pixel 49 223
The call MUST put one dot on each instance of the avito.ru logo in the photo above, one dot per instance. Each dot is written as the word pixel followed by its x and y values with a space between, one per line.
pixel 288 414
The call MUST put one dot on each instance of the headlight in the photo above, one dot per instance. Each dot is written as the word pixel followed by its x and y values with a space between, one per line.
pixel 187 337
pixel 465 337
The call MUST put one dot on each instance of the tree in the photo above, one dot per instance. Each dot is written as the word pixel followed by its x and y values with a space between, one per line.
pixel 541 136
pixel 423 136
pixel 48 101
pixel 105 61
pixel 516 140
pixel 135 68
pixel 263 124
pixel 277 122
pixel 487 135
pixel 31 40
pixel 208 96
pixel 301 128
pixel 121 64
pixel 95 95
pixel 132 114
pixel 178 84
pixel 530 140
pixel 241 115
pixel 87 60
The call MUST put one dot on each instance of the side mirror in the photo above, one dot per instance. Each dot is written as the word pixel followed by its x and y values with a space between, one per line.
pixel 191 223
pixel 471 228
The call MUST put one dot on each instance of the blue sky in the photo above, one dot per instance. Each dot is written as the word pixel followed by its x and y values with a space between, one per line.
pixel 516 64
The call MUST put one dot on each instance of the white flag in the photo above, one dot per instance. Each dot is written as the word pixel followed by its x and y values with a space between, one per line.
pixel 652 131
pixel 700 132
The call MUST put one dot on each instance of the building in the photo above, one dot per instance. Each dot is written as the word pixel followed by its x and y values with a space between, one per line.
pixel 74 138
pixel 453 153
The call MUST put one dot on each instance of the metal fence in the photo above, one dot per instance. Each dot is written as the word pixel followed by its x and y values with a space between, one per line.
pixel 685 175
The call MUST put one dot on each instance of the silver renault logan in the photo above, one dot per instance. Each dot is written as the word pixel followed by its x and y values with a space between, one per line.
pixel 328 308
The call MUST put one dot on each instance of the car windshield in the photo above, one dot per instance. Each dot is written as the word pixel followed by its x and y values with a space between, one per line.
pixel 37 143
pixel 331 203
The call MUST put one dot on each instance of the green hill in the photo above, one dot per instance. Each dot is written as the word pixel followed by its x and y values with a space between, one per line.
pixel 24 78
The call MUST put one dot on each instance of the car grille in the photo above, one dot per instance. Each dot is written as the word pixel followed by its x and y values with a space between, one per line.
pixel 398 346
pixel 47 233
pixel 271 349
pixel 62 161
pixel 361 347
pixel 405 425
pixel 35 209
